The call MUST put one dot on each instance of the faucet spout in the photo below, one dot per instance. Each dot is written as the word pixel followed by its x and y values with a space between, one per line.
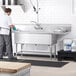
pixel 38 26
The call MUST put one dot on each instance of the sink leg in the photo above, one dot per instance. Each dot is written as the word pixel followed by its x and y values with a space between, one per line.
pixel 50 52
pixel 16 49
pixel 55 51
pixel 21 49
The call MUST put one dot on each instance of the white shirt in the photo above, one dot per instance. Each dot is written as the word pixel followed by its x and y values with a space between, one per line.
pixel 5 21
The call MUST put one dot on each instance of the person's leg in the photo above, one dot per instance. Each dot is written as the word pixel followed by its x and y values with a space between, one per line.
pixel 9 2
pixel 8 46
pixel 3 2
pixel 1 45
pixel 4 49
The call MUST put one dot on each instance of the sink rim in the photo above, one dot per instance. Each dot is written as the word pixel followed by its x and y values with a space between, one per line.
pixel 40 32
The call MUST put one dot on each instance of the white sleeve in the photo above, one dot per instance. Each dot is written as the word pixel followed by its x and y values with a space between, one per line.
pixel 9 21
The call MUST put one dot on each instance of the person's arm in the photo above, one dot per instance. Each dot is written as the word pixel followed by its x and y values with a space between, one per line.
pixel 10 22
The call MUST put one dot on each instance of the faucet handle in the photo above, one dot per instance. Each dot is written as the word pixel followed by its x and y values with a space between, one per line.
pixel 38 27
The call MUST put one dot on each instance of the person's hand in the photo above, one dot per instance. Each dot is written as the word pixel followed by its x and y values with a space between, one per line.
pixel 11 26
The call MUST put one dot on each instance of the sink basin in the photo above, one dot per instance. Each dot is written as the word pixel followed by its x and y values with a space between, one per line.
pixel 31 29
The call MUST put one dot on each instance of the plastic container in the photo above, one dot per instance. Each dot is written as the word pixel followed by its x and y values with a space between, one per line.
pixel 74 46
pixel 67 44
pixel 68 47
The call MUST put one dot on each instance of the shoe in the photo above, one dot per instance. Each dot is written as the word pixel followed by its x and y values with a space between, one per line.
pixel 1 58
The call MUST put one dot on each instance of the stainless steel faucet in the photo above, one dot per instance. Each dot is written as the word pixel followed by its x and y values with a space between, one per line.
pixel 37 25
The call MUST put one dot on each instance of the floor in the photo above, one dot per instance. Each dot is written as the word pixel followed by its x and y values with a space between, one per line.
pixel 68 70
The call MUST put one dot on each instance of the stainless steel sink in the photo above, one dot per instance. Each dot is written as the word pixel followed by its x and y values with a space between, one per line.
pixel 46 29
